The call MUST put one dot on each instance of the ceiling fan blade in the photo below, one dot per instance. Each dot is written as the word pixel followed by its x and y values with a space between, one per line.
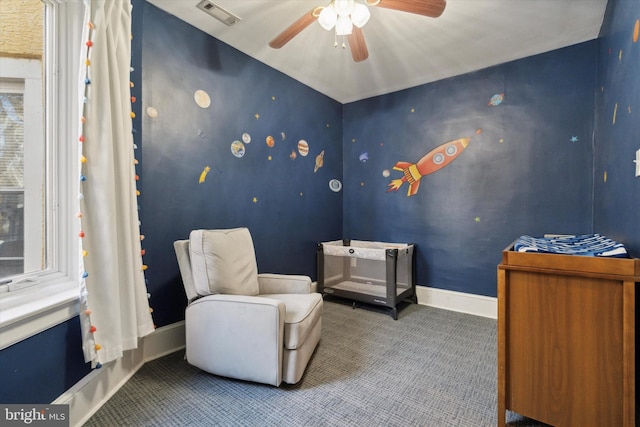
pixel 431 8
pixel 357 44
pixel 294 29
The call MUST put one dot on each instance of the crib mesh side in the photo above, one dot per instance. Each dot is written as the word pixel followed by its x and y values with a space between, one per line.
pixel 339 268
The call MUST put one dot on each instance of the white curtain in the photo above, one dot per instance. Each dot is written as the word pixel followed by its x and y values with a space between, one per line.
pixel 114 309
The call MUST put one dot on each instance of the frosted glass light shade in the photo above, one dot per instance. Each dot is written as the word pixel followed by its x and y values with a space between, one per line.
pixel 360 15
pixel 328 17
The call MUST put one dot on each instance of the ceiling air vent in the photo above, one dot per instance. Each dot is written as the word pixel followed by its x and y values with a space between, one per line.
pixel 218 12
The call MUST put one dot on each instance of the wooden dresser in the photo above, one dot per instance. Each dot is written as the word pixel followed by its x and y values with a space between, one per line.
pixel 566 338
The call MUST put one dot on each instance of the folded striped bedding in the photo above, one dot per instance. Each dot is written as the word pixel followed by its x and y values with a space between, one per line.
pixel 585 244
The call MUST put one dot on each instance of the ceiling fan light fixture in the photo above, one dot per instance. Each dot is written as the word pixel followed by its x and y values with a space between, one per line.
pixel 343 15
pixel 360 15
pixel 347 17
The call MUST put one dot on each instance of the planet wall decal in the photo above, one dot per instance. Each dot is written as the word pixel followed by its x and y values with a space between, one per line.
pixel 270 141
pixel 202 99
pixel 237 149
pixel 303 148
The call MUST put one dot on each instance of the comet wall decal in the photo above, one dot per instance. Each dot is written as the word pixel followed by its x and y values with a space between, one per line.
pixel 203 175
pixel 431 162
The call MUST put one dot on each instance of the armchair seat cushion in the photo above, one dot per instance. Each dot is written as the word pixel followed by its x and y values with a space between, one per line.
pixel 302 313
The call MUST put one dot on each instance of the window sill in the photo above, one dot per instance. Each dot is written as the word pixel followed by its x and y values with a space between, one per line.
pixel 30 311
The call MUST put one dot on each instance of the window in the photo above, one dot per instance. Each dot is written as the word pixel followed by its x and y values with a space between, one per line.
pixel 11 179
pixel 22 195
pixel 38 176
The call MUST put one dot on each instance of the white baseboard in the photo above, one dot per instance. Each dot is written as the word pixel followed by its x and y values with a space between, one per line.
pixel 92 391
pixel 165 340
pixel 478 305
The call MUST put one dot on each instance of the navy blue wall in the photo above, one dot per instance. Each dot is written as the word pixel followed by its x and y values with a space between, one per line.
pixel 41 368
pixel 617 129
pixel 527 168
pixel 287 206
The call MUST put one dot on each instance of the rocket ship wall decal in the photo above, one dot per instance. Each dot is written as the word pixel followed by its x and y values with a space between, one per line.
pixel 431 162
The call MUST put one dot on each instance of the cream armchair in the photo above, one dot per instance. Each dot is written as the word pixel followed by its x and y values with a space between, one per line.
pixel 241 324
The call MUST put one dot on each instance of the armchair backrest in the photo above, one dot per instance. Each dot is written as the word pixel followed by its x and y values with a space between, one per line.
pixel 223 262
pixel 184 262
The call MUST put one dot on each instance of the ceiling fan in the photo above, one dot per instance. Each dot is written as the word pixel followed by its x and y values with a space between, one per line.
pixel 348 17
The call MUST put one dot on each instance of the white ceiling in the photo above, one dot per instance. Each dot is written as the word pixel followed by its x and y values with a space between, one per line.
pixel 405 50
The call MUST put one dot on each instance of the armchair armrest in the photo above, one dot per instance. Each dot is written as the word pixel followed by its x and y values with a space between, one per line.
pixel 237 336
pixel 284 284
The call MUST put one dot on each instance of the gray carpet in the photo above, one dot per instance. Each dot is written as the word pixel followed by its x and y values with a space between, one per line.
pixel 431 367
